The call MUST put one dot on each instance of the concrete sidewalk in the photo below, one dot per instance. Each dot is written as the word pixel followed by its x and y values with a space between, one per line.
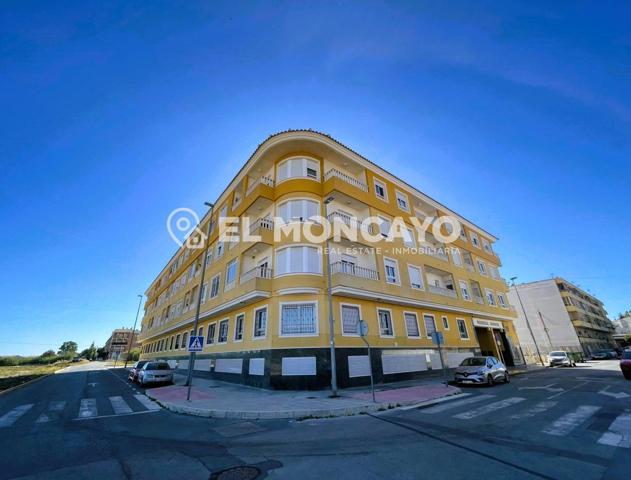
pixel 212 398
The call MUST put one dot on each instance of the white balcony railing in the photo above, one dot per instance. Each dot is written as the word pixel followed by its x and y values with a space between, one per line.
pixel 443 291
pixel 478 299
pixel 261 180
pixel 266 223
pixel 353 222
pixel 354 270
pixel 435 251
pixel 346 178
pixel 257 272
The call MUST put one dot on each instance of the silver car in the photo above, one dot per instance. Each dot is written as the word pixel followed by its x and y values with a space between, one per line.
pixel 155 372
pixel 479 370
pixel 560 358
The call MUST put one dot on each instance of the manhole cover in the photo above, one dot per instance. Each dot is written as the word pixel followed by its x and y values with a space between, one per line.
pixel 236 473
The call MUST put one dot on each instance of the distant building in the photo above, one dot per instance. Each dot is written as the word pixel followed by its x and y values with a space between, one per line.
pixel 119 342
pixel 623 331
pixel 562 317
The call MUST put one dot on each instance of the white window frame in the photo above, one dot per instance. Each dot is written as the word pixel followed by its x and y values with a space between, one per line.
pixel 305 166
pixel 236 318
pixel 218 276
pixel 383 220
pixel 427 332
pixel 260 337
pixel 475 241
pixel 412 242
pixel 490 299
pixel 455 254
pixel 229 286
pixel 463 234
pixel 420 271
pixel 466 329
pixel 445 321
pixel 397 271
pixel 481 267
pixel 418 327
pixel 391 322
pixel 304 260
pixel 501 300
pixel 486 246
pixel 402 197
pixel 204 291
pixel 303 210
pixel 280 319
pixel 466 297
pixel 227 331
pixel 382 184
pixel 208 333
pixel 352 305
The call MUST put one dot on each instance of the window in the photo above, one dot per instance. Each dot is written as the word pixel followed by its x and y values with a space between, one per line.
pixel 385 323
pixel 402 201
pixel 238 327
pixel 298 168
pixel 209 256
pixel 260 322
pixel 392 270
pixel 430 325
pixel 474 239
pixel 486 245
pixel 381 190
pixel 445 323
pixel 350 320
pixel 211 333
pixel 462 328
pixel 177 341
pixel 495 273
pixel 464 290
pixel 298 319
pixel 501 299
pixel 200 331
pixel 482 267
pixel 214 286
pixel 298 210
pixel 463 234
pixel 204 291
pixel 456 258
pixel 416 277
pixel 231 274
pixel 300 259
pixel 409 240
pixel 411 324
pixel 171 344
pixel 220 250
pixel 490 297
pixel 223 331
pixel 184 340
pixel 384 226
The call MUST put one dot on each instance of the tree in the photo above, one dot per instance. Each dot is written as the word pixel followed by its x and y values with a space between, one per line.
pixel 68 348
pixel 91 352
pixel 101 353
pixel 134 355
pixel 48 353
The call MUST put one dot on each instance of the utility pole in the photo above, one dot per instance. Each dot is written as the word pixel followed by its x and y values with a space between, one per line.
pixel 331 320
pixel 545 328
pixel 527 321
pixel 191 357
pixel 133 331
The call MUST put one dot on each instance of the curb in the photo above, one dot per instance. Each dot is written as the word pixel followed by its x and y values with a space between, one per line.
pixel 297 414
pixel 26 383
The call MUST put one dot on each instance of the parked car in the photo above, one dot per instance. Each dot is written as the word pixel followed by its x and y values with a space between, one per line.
pixel 560 358
pixel 604 355
pixel 155 372
pixel 625 364
pixel 133 372
pixel 478 370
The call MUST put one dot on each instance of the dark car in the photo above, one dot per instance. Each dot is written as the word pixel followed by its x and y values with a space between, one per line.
pixel 133 373
pixel 604 355
pixel 625 364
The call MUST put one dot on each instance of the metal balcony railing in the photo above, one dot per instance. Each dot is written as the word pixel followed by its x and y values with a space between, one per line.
pixel 346 178
pixel 257 272
pixel 266 223
pixel 261 180
pixel 354 270
pixel 443 291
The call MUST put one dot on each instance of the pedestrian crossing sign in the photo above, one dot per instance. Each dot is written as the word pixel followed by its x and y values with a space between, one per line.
pixel 195 344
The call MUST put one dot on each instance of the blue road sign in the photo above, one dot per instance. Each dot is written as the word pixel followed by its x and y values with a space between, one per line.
pixel 437 338
pixel 195 344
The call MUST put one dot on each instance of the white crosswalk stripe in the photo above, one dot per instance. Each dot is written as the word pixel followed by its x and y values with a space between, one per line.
pixel 147 403
pixel 120 406
pixel 88 408
pixel 491 407
pixel 54 411
pixel 619 432
pixel 534 410
pixel 11 417
pixel 455 404
pixel 570 421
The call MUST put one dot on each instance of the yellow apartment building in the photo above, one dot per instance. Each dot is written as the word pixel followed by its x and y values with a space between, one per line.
pixel 264 311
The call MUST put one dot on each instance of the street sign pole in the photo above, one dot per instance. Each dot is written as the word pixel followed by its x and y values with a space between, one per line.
pixel 438 339
pixel 363 331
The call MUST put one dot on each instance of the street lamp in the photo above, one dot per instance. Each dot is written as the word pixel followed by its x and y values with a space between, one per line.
pixel 191 358
pixel 331 321
pixel 527 321
pixel 133 332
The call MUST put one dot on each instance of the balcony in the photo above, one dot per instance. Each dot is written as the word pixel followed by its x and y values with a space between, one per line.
pixel 335 173
pixel 442 291
pixel 259 181
pixel 351 221
pixel 256 272
pixel 354 270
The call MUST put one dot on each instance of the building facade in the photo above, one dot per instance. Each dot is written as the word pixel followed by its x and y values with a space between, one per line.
pixel 622 334
pixel 562 317
pixel 120 342
pixel 264 311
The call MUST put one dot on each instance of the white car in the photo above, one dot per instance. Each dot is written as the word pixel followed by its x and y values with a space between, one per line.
pixel 560 358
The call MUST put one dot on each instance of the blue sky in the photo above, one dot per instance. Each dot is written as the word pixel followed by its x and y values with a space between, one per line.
pixel 516 115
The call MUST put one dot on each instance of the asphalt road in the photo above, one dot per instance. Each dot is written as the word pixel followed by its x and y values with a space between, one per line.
pixel 87 422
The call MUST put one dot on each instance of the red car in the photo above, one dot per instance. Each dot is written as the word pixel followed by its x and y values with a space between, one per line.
pixel 625 364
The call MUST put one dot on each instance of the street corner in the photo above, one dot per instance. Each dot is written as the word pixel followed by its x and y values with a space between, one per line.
pixel 409 395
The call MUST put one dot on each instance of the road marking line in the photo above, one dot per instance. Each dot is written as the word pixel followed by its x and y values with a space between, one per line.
pixel 455 404
pixel 619 432
pixel 568 390
pixel 150 405
pixel 120 406
pixel 570 421
pixel 491 407
pixel 88 408
pixel 114 415
pixel 57 406
pixel 11 417
pixel 531 412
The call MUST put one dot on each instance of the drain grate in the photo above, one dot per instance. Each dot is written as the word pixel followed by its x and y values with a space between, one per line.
pixel 236 473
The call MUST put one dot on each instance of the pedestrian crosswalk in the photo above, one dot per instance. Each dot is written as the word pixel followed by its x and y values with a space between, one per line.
pixel 555 418
pixel 83 409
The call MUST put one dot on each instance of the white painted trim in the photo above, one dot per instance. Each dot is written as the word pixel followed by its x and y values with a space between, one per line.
pixel 427 333
pixel 262 337
pixel 219 322
pixel 468 337
pixel 422 277
pixel 294 335
pixel 234 333
pixel 298 290
pixel 420 334
pixel 391 321
pixel 346 304
pixel 442 321
pixel 406 197
pixel 385 275
pixel 383 184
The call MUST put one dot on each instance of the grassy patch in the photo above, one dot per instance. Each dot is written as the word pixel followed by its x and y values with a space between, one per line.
pixel 14 376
